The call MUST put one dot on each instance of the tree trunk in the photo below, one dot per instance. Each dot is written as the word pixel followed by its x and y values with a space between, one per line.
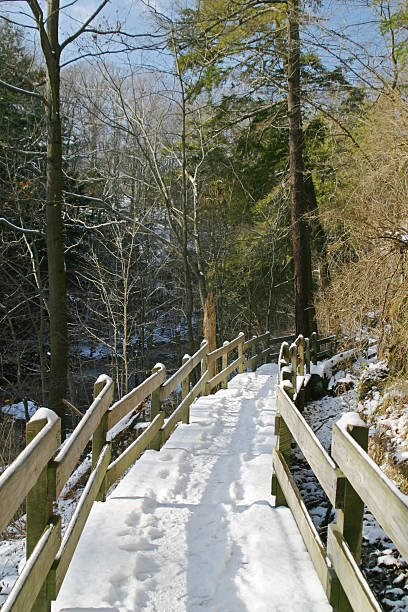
pixel 55 240
pixel 300 235
pixel 318 234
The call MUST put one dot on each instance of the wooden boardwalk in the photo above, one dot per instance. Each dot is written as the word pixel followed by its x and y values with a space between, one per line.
pixel 193 527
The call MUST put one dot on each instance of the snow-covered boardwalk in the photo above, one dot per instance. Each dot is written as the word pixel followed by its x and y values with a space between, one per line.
pixel 192 527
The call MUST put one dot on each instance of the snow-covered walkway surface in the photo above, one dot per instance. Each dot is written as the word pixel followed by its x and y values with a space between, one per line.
pixel 193 527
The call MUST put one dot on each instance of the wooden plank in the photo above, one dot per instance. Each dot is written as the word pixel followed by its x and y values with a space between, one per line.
pixel 224 366
pixel 177 378
pixel 27 586
pixel 327 339
pixel 224 373
pixel 272 341
pixel 301 354
pixel 351 579
pixel 307 355
pixel 69 454
pixel 281 339
pixel 39 499
pixel 135 397
pixel 300 383
pixel 283 361
pixel 264 353
pixel 321 463
pixel 350 516
pixel 323 354
pixel 241 356
pixel 178 414
pixel 99 437
pixel 219 352
pixel 185 385
pixel 313 347
pixel 264 336
pixel 133 452
pixel 381 496
pixel 79 518
pixel 303 520
pixel 293 356
pixel 284 447
pixel 250 362
pixel 250 342
pixel 18 479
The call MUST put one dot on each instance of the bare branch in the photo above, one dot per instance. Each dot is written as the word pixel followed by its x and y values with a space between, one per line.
pixel 84 25
pixel 21 229
pixel 19 90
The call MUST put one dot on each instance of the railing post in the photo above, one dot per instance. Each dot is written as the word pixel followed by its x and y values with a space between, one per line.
pixel 265 342
pixel 224 359
pixel 204 368
pixel 307 355
pixel 39 509
pixel 301 351
pixel 185 385
pixel 350 514
pixel 283 445
pixel 99 436
pixel 313 347
pixel 283 359
pixel 185 390
pixel 155 409
pixel 241 355
pixel 293 355
pixel 350 517
pixel 255 356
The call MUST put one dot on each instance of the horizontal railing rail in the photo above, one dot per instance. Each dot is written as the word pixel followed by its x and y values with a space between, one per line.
pixel 67 458
pixel 129 402
pixel 348 476
pixel 226 369
pixel 188 365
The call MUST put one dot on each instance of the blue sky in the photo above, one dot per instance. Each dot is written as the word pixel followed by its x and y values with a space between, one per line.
pixel 351 19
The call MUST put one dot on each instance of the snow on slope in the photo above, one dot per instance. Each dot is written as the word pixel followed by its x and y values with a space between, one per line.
pixel 192 527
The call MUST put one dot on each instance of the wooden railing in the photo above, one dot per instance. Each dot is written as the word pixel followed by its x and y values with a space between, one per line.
pixel 38 475
pixel 350 479
pixel 41 471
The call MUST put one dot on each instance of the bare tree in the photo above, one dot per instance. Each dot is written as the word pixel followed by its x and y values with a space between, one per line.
pixel 48 28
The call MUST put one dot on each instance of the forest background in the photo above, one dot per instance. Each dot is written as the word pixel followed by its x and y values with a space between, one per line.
pixel 145 163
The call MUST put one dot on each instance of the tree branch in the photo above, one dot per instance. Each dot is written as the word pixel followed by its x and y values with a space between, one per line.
pixel 19 90
pixel 84 25
pixel 21 229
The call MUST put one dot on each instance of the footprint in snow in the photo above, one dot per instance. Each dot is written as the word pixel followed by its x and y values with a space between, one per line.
pixel 137 544
pixel 117 588
pixel 154 533
pixel 131 520
pixel 124 532
pixel 163 456
pixel 236 491
pixel 148 503
pixel 145 566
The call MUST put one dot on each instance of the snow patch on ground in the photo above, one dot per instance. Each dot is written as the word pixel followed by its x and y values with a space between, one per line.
pixel 17 411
